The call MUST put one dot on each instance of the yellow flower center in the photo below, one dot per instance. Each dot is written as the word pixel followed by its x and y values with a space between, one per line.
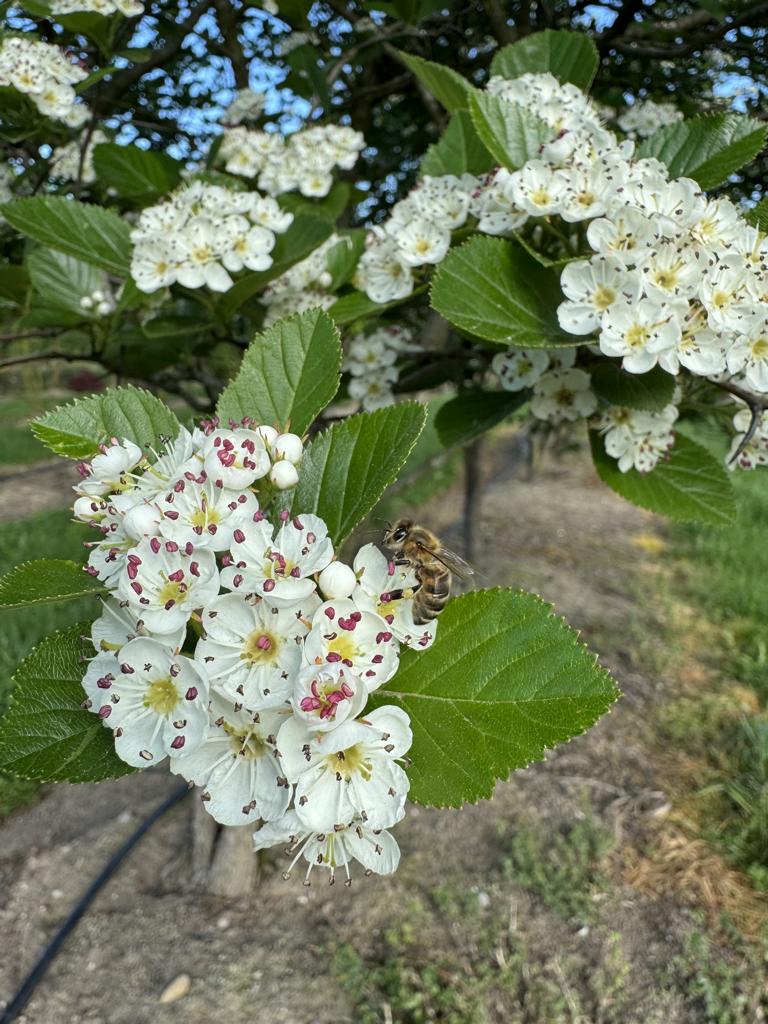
pixel 162 696
pixel 721 299
pixel 246 743
pixel 760 348
pixel 603 297
pixel 344 646
pixel 564 396
pixel 204 516
pixel 540 197
pixel 636 336
pixel 172 592
pixel 261 648
pixel 350 762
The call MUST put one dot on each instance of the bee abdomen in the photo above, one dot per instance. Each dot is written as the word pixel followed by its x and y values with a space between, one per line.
pixel 431 598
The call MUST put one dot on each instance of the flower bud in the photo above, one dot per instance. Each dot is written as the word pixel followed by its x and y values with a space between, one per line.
pixel 104 308
pixel 87 508
pixel 141 521
pixel 98 295
pixel 288 446
pixel 337 581
pixel 267 434
pixel 284 475
pixel 86 302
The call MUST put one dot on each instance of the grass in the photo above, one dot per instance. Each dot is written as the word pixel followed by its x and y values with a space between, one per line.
pixel 18 445
pixel 49 534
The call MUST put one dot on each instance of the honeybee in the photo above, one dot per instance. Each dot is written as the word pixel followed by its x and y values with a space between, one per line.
pixel 419 549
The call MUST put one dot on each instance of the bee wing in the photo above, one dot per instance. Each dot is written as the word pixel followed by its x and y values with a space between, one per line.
pixel 451 561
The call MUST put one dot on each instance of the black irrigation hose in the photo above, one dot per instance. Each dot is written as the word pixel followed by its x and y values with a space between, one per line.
pixel 67 926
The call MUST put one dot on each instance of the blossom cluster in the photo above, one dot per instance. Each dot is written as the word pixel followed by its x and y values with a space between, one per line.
pixel 638 438
pixel 561 392
pixel 66 160
pixel 370 361
pixel 100 302
pixel 303 286
pixel 234 643
pixel 645 117
pixel 202 234
pixel 44 74
pixel 304 161
pixel 128 8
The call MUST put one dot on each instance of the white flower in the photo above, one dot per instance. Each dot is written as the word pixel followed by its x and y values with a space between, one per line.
pixel 519 368
pixel 563 395
pixel 376 850
pixel 251 651
pixel 755 453
pixel 422 241
pixel 538 189
pixel 387 589
pixel 383 274
pixel 278 567
pixel 118 624
pixel 155 701
pixel 163 583
pixel 639 332
pixel 337 580
pixel 349 773
pixel 198 511
pixel 644 118
pixel 326 695
pixel 289 447
pixel 284 475
pixel 235 458
pixel 237 766
pixel 592 286
pixel 199 256
pixel 749 354
pixel 362 640
pixel 670 272
pixel 110 471
pixel 638 438
pixel 700 350
pixel 626 235
pixel 724 293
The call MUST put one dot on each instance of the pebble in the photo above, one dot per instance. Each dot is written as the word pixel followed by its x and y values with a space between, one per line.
pixel 177 989
pixel 223 922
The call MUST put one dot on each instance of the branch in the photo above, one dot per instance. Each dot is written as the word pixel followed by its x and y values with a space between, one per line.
pixel 757 406
pixel 36 357
pixel 40 332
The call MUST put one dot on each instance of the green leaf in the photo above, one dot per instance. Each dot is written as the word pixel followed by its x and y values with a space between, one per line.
pixel 62 280
pixel 77 429
pixel 569 56
pixel 356 305
pixel 493 289
pixel 136 173
pixel 45 581
pixel 288 374
pixel 506 680
pixel 708 148
pixel 86 232
pixel 472 413
pixel 46 734
pixel 459 151
pixel 14 283
pixel 341 259
pixel 652 390
pixel 690 486
pixel 303 236
pixel 328 207
pixel 758 215
pixel 445 84
pixel 347 468
pixel 512 134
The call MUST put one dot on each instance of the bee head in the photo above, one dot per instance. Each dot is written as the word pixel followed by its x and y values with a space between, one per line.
pixel 396 533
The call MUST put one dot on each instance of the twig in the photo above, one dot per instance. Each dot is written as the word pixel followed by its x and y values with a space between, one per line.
pixel 40 332
pixel 35 357
pixel 757 406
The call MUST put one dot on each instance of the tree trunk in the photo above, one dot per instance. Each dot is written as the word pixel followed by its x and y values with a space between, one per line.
pixel 224 863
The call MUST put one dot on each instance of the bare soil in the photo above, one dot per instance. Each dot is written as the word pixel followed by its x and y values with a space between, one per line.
pixel 267 959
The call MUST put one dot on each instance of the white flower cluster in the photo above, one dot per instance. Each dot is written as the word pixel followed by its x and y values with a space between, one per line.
pixel 43 73
pixel 561 392
pixel 645 118
pixel 65 160
pixel 241 649
pixel 202 234
pixel 129 8
pixel 301 287
pixel 246 106
pixel 101 301
pixel 370 361
pixel 304 161
pixel 638 438
pixel 755 452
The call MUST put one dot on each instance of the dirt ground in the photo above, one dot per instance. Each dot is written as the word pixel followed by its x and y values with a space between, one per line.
pixel 268 959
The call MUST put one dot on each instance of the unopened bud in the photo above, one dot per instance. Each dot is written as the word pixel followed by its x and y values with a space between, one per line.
pixel 337 581
pixel 284 475
pixel 104 308
pixel 141 521
pixel 267 434
pixel 86 302
pixel 288 446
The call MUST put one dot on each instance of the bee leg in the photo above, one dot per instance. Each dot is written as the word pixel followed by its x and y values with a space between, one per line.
pixel 398 595
pixel 402 561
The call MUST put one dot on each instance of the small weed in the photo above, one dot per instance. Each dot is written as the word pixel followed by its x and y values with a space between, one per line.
pixel 563 872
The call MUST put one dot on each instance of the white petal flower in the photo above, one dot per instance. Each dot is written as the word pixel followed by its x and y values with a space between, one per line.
pixel 155 701
pixel 422 241
pixel 362 640
pixel 592 286
pixel 376 850
pixel 237 767
pixel 519 368
pixel 235 458
pixel 638 438
pixel 163 582
pixel 755 452
pixel 118 624
pixel 387 589
pixel 278 567
pixel 337 580
pixel 198 511
pixel 562 395
pixel 326 695
pixel 626 235
pixel 252 652
pixel 749 354
pixel 110 470
pixel 639 332
pixel 383 274
pixel 350 773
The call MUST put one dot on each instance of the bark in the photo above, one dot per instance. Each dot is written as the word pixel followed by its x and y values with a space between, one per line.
pixel 223 860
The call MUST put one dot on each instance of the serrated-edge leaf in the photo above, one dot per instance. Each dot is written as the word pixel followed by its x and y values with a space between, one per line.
pixel 459 151
pixel 134 171
pixel 48 696
pixel 273 387
pixel 346 499
pixel 511 133
pixel 550 50
pixel 87 232
pixel 679 487
pixel 102 417
pixel 451 768
pixel 76 583
pixel 468 415
pixel 445 84
pixel 652 391
pixel 516 309
pixel 707 148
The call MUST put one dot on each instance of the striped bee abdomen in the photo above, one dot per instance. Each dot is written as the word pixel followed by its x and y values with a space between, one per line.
pixel 432 595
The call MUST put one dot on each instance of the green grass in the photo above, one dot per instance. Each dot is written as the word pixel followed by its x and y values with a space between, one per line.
pixel 49 534
pixel 18 445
